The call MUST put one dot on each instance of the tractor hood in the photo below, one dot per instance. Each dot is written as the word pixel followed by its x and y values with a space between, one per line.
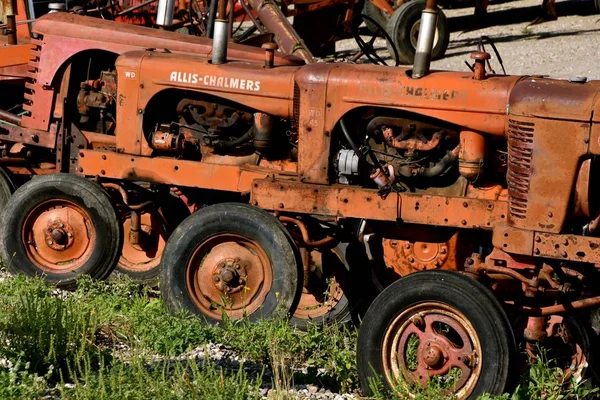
pixel 556 99
pixel 132 36
pixel 450 96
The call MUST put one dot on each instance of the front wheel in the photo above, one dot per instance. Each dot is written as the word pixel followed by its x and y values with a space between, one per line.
pixel 436 326
pixel 60 226
pixel 232 259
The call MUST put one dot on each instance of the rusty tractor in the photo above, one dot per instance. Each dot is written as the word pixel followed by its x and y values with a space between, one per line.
pixel 262 184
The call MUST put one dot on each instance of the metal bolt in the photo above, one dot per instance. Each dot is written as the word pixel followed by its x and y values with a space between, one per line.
pixel 443 250
pixel 464 222
pixel 550 214
pixel 566 242
pixel 61 225
pixel 237 266
pixel 465 204
pixel 538 239
pixel 280 205
pixel 50 242
pixel 69 234
pixel 536 252
pixel 410 259
pixel 470 261
pixel 564 254
pixel 407 245
pixel 63 246
pixel 216 279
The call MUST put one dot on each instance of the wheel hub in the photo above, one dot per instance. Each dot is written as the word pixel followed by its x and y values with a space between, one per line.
pixel 58 235
pixel 432 355
pixel 231 272
pixel 230 275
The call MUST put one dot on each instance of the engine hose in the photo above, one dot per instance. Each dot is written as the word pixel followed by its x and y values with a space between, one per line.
pixel 450 158
pixel 229 144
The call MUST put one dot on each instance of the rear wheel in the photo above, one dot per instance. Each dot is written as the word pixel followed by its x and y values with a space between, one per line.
pixel 436 325
pixel 234 259
pixel 60 226
pixel 7 187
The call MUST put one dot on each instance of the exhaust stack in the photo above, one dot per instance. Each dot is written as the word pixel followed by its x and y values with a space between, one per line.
pixel 164 12
pixel 221 35
pixel 425 40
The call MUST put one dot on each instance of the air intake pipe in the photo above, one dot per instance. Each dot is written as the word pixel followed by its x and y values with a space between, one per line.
pixel 221 35
pixel 425 40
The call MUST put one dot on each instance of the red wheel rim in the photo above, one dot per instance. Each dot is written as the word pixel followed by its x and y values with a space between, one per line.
pixel 58 236
pixel 228 272
pixel 432 339
pixel 324 292
pixel 145 255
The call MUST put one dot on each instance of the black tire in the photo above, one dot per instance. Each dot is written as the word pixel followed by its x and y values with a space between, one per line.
pixel 7 188
pixel 597 5
pixel 401 25
pixel 249 223
pixel 350 275
pixel 82 194
pixel 378 15
pixel 457 292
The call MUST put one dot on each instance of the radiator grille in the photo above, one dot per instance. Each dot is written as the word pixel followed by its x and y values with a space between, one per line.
pixel 296 121
pixel 520 150
pixel 32 74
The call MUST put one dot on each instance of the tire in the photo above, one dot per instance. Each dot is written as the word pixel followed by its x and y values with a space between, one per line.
pixel 69 205
pixel 253 243
pixel 597 5
pixel 142 262
pixel 400 28
pixel 7 188
pixel 481 313
pixel 346 268
pixel 378 15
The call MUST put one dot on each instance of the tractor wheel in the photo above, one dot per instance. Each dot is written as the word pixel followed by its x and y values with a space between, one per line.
pixel 141 261
pixel 436 325
pixel 232 259
pixel 378 15
pixel 60 226
pixel 331 295
pixel 7 188
pixel 404 27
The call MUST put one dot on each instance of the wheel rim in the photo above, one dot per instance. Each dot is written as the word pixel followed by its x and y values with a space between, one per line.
pixel 58 236
pixel 414 34
pixel 324 292
pixel 432 339
pixel 229 272
pixel 144 256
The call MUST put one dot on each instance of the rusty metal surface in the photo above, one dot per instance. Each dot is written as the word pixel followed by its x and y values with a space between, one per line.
pixel 567 247
pixel 168 170
pixel 353 202
pixel 14 55
pixel 34 137
pixel 542 174
pixel 408 256
pixel 555 99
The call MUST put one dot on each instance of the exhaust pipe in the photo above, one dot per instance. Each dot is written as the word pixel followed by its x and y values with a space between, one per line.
pixel 425 40
pixel 221 35
pixel 164 12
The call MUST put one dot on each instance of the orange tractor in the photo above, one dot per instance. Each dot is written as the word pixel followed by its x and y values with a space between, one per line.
pixel 468 197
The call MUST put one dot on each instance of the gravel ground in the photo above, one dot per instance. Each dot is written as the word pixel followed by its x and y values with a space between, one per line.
pixel 569 46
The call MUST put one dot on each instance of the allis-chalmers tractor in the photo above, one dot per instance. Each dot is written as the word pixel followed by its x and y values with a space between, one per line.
pixel 299 184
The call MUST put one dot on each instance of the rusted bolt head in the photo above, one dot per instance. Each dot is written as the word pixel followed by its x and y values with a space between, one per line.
pixel 407 245
pixel 280 205
pixel 228 275
pixel 411 259
pixel 550 214
pixel 536 252
pixel 465 204
pixel 216 279
pixel 538 239
pixel 270 46
pixel 564 254
pixel 480 55
pixel 58 235
pixel 464 222
pixel 470 261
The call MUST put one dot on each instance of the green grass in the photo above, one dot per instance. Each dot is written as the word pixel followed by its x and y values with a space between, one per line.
pixel 115 340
